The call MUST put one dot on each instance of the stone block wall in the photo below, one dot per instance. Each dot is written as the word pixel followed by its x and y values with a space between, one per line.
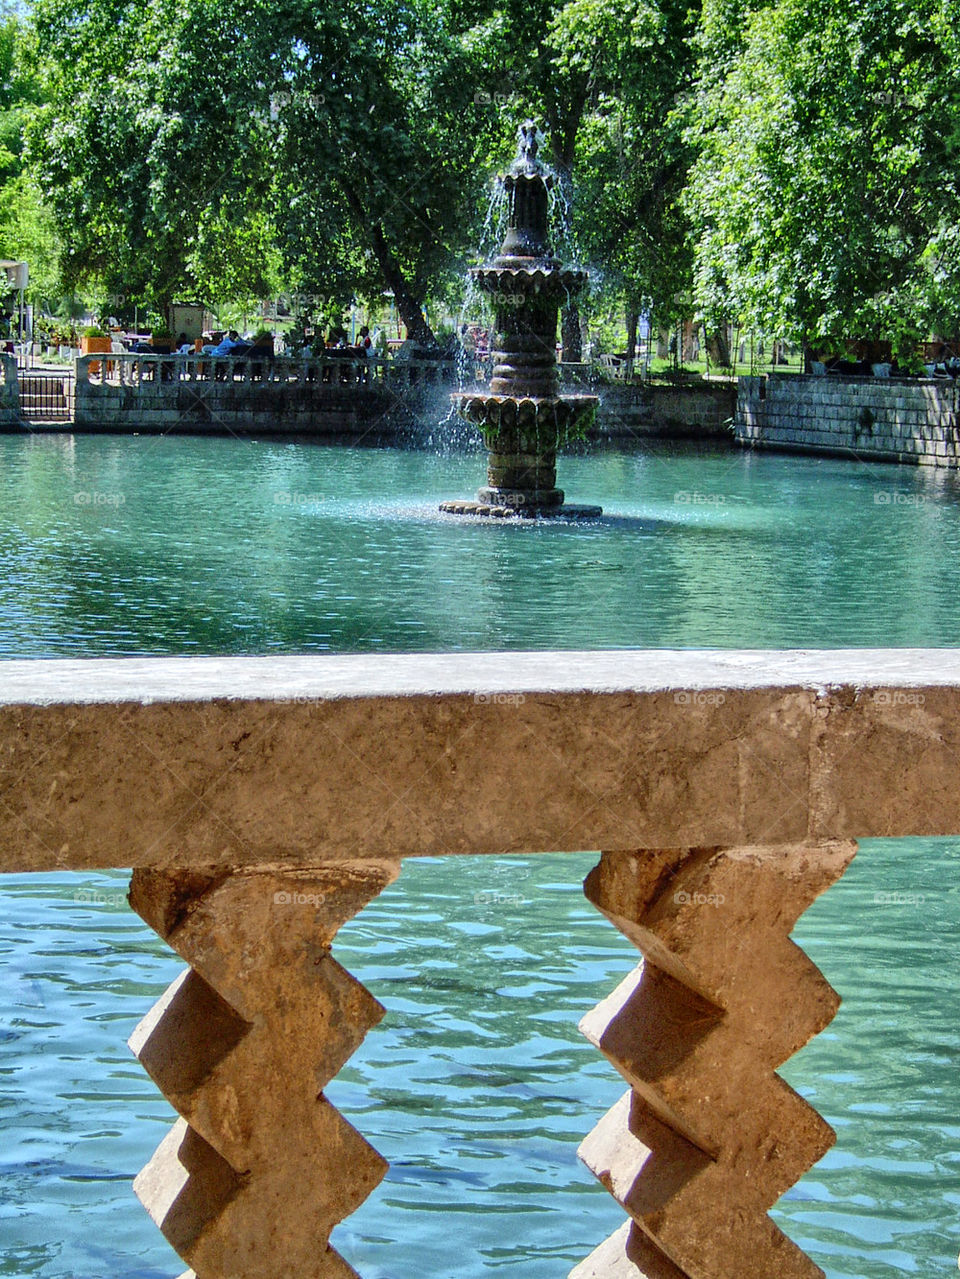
pixel 175 397
pixel 670 412
pixel 261 408
pixel 883 419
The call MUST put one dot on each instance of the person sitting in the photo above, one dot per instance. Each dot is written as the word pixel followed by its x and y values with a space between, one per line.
pixel 229 345
pixel 365 342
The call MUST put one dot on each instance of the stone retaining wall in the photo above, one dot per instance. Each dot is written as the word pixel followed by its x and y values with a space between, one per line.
pixel 171 403
pixel 669 412
pixel 170 396
pixel 883 419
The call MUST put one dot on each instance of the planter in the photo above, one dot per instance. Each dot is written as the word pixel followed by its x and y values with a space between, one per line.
pixel 95 346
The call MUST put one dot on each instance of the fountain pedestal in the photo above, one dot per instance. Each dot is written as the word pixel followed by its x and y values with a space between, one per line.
pixel 523 418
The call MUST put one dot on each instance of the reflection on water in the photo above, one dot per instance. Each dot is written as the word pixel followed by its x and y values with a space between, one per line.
pixel 476 1086
pixel 176 546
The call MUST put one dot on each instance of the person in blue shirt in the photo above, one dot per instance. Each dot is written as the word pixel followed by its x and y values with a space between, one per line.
pixel 228 345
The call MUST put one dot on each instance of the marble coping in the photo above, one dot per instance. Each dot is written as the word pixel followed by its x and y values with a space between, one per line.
pixel 304 760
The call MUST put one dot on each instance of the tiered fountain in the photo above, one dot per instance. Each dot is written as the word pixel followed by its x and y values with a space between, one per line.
pixel 524 418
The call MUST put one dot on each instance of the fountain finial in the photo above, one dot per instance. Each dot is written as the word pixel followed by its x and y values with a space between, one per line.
pixel 527 183
pixel 528 144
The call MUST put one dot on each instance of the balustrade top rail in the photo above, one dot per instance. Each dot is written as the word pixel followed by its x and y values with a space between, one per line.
pixel 197 762
pixel 135 369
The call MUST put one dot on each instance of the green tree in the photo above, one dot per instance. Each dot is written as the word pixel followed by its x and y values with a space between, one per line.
pixel 632 160
pixel 26 225
pixel 148 135
pixel 373 150
pixel 173 137
pixel 823 197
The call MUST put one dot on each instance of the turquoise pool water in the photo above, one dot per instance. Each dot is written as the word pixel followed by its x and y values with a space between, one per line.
pixel 477 1085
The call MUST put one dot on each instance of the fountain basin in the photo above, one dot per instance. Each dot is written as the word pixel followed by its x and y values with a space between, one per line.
pixel 522 435
pixel 503 509
pixel 530 420
pixel 524 279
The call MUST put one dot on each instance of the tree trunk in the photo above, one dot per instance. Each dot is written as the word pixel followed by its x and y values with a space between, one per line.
pixel 689 342
pixel 633 320
pixel 718 346
pixel 409 308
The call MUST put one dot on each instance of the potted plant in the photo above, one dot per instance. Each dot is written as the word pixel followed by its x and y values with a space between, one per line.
pixel 95 341
pixel 161 339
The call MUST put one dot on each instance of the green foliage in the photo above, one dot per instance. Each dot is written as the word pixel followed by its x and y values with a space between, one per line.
pixel 28 234
pixel 26 225
pixel 232 151
pixel 235 259
pixel 60 334
pixel 823 197
pixel 785 164
pixel 139 135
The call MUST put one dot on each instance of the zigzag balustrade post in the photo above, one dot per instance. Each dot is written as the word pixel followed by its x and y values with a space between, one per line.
pixel 708 1137
pixel 251 1180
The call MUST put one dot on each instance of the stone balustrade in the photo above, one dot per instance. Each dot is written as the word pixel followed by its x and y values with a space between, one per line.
pixel 230 784
pixel 327 396
pixel 335 393
pixel 332 395
pixel 9 392
pixel 329 368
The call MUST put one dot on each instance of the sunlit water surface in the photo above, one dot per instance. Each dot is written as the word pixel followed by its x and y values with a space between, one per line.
pixel 477 1086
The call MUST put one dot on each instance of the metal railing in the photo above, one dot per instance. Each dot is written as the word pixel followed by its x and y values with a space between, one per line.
pixel 47 396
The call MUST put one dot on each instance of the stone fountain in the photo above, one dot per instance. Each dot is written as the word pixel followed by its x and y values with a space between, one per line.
pixel 524 418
